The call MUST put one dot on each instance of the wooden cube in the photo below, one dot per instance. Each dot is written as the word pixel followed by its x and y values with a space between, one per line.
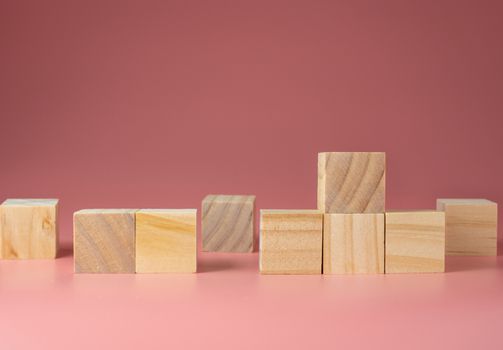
pixel 227 223
pixel 353 244
pixel 166 241
pixel 28 229
pixel 351 182
pixel 104 241
pixel 290 241
pixel 415 241
pixel 471 226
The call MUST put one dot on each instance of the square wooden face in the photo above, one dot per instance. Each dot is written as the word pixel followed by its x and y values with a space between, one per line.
pixel 415 242
pixel 166 241
pixel 28 231
pixel 290 242
pixel 353 244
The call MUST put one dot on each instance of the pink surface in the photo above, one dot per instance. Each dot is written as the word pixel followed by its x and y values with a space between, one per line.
pixel 158 103
pixel 228 305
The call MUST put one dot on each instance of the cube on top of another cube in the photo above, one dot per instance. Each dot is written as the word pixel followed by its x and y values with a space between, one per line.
pixel 415 241
pixel 228 223
pixel 166 241
pixel 104 240
pixel 351 182
pixel 353 243
pixel 29 229
pixel 291 241
pixel 471 226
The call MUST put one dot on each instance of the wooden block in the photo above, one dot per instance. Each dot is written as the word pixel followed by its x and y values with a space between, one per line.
pixel 353 243
pixel 415 241
pixel 104 241
pixel 227 223
pixel 166 241
pixel 290 241
pixel 28 229
pixel 351 182
pixel 471 226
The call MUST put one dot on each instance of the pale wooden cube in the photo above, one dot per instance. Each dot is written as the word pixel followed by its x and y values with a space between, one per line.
pixel 353 244
pixel 29 229
pixel 104 240
pixel 228 223
pixel 351 182
pixel 415 241
pixel 166 241
pixel 291 241
pixel 471 226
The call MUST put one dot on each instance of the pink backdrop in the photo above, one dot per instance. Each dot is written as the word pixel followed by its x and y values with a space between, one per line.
pixel 158 103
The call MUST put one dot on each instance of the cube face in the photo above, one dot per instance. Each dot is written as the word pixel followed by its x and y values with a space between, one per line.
pixel 471 226
pixel 415 242
pixel 351 182
pixel 28 229
pixel 104 241
pixel 291 241
pixel 353 244
pixel 227 223
pixel 166 241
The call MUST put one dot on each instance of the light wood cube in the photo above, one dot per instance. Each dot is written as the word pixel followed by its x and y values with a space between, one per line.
pixel 227 223
pixel 28 229
pixel 353 244
pixel 291 241
pixel 415 241
pixel 351 182
pixel 471 226
pixel 166 241
pixel 104 241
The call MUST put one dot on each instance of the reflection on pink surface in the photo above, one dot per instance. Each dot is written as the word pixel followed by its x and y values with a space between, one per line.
pixel 229 305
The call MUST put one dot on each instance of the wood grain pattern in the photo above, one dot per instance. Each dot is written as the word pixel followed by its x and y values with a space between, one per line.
pixel 291 241
pixel 471 226
pixel 28 229
pixel 351 182
pixel 353 244
pixel 415 242
pixel 228 223
pixel 104 241
pixel 166 241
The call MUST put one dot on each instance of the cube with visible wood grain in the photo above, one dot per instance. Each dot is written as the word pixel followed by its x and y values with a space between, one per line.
pixel 415 241
pixel 353 244
pixel 291 241
pixel 104 241
pixel 471 226
pixel 227 223
pixel 166 241
pixel 351 182
pixel 29 229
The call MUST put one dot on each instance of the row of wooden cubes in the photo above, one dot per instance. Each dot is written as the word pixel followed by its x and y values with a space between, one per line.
pixel 130 240
pixel 308 241
pixel 304 241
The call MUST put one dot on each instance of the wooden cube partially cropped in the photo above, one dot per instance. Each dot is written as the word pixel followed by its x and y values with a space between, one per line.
pixel 166 241
pixel 351 182
pixel 28 229
pixel 471 226
pixel 353 244
pixel 291 241
pixel 227 223
pixel 415 241
pixel 104 241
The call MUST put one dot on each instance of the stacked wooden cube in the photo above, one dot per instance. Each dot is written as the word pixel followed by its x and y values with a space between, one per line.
pixel 130 240
pixel 352 233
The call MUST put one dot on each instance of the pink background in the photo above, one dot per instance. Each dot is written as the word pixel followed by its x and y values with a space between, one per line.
pixel 158 103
